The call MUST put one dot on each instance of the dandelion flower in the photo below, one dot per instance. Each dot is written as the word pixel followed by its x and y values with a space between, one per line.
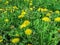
pixel 39 9
pixel 46 19
pixel 28 31
pixel 45 9
pixel 22 14
pixel 25 23
pixel 15 40
pixel 57 12
pixel 57 19
pixel 48 14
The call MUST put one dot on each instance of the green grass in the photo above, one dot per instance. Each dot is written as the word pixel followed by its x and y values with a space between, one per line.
pixel 43 33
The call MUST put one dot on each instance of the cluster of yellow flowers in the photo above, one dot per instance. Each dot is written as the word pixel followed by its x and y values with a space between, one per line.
pixel 42 9
pixel 45 9
pixel 25 23
pixel 46 19
pixel 27 32
pixel 22 14
pixel 57 12
pixel 15 40
pixel 57 19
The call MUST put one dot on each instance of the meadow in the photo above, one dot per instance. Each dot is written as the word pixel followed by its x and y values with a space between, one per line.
pixel 29 22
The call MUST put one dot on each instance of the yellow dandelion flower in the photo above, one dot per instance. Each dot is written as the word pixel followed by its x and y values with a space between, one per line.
pixel 57 11
pixel 23 12
pixel 15 40
pixel 25 23
pixel 28 31
pixel 46 19
pixel 15 7
pixel 45 9
pixel 38 9
pixel 1 38
pixel 21 16
pixel 57 19
pixel 48 14
pixel 6 20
